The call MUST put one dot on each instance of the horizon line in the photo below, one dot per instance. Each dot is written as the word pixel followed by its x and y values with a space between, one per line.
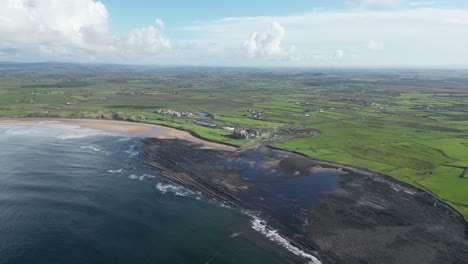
pixel 346 67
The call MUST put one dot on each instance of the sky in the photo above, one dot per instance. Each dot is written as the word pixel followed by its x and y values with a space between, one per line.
pixel 294 33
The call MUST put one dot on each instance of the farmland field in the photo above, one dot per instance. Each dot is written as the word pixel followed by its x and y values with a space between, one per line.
pixel 408 124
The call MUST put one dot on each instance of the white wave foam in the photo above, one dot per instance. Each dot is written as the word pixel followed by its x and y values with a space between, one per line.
pixel 115 171
pixel 132 151
pixel 92 148
pixel 261 226
pixel 224 205
pixel 133 177
pixel 233 235
pixel 146 176
pixel 177 190
pixel 51 129
pixel 142 177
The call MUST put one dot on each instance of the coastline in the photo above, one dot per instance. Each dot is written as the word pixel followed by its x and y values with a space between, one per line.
pixel 345 212
pixel 391 180
pixel 387 216
pixel 145 130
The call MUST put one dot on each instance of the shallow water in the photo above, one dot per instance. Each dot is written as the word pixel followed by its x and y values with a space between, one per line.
pixel 283 197
pixel 71 195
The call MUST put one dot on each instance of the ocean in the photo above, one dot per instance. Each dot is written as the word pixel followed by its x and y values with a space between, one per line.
pixel 75 195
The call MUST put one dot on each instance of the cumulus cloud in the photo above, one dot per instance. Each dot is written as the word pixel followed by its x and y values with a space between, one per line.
pixel 79 30
pixel 267 44
pixel 49 21
pixel 71 27
pixel 374 45
pixel 316 32
pixel 159 23
pixel 147 39
pixel 339 54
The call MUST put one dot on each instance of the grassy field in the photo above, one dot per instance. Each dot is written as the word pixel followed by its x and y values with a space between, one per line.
pixel 409 124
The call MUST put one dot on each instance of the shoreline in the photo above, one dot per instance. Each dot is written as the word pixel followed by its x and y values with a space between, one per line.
pixel 372 174
pixel 379 210
pixel 348 209
pixel 145 130
pixel 148 130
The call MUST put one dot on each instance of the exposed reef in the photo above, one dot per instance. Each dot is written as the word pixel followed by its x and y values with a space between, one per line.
pixel 340 214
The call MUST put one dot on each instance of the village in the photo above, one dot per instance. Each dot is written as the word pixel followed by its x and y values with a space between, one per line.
pixel 208 120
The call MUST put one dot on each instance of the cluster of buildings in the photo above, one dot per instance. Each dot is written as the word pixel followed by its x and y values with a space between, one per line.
pixel 250 133
pixel 174 113
pixel 257 114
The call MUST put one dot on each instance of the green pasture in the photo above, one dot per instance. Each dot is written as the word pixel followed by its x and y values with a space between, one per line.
pixel 414 129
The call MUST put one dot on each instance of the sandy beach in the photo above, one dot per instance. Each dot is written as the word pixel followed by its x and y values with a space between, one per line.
pixel 130 128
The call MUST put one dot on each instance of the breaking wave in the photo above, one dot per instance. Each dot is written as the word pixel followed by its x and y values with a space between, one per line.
pixel 91 148
pixel 142 177
pixel 132 151
pixel 115 171
pixel 133 177
pixel 176 190
pixel 261 226
pixel 51 129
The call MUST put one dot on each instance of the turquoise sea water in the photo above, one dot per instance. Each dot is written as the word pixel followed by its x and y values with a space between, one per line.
pixel 73 195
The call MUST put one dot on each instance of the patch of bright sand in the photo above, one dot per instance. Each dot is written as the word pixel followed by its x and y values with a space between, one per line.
pixel 130 128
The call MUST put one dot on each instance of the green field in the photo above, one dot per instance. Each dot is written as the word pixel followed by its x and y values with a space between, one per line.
pixel 409 124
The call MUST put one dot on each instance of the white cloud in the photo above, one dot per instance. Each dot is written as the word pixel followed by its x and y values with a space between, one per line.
pixel 421 36
pixel 457 21
pixel 79 30
pixel 361 4
pixel 148 40
pixel 339 54
pixel 267 44
pixel 66 22
pixel 68 29
pixel 422 3
pixel 374 45
pixel 159 23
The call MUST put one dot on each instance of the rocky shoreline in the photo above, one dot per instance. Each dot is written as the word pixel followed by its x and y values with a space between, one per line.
pixel 338 213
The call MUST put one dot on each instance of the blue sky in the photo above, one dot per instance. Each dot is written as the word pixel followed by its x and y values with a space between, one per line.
pixel 126 15
pixel 334 33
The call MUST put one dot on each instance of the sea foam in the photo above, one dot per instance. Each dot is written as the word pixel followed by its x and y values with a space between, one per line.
pixel 132 151
pixel 91 148
pixel 176 190
pixel 142 177
pixel 51 129
pixel 115 171
pixel 261 226
pixel 133 177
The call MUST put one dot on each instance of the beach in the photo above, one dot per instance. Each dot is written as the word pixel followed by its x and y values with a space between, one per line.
pixel 131 128
pixel 77 195
pixel 315 209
